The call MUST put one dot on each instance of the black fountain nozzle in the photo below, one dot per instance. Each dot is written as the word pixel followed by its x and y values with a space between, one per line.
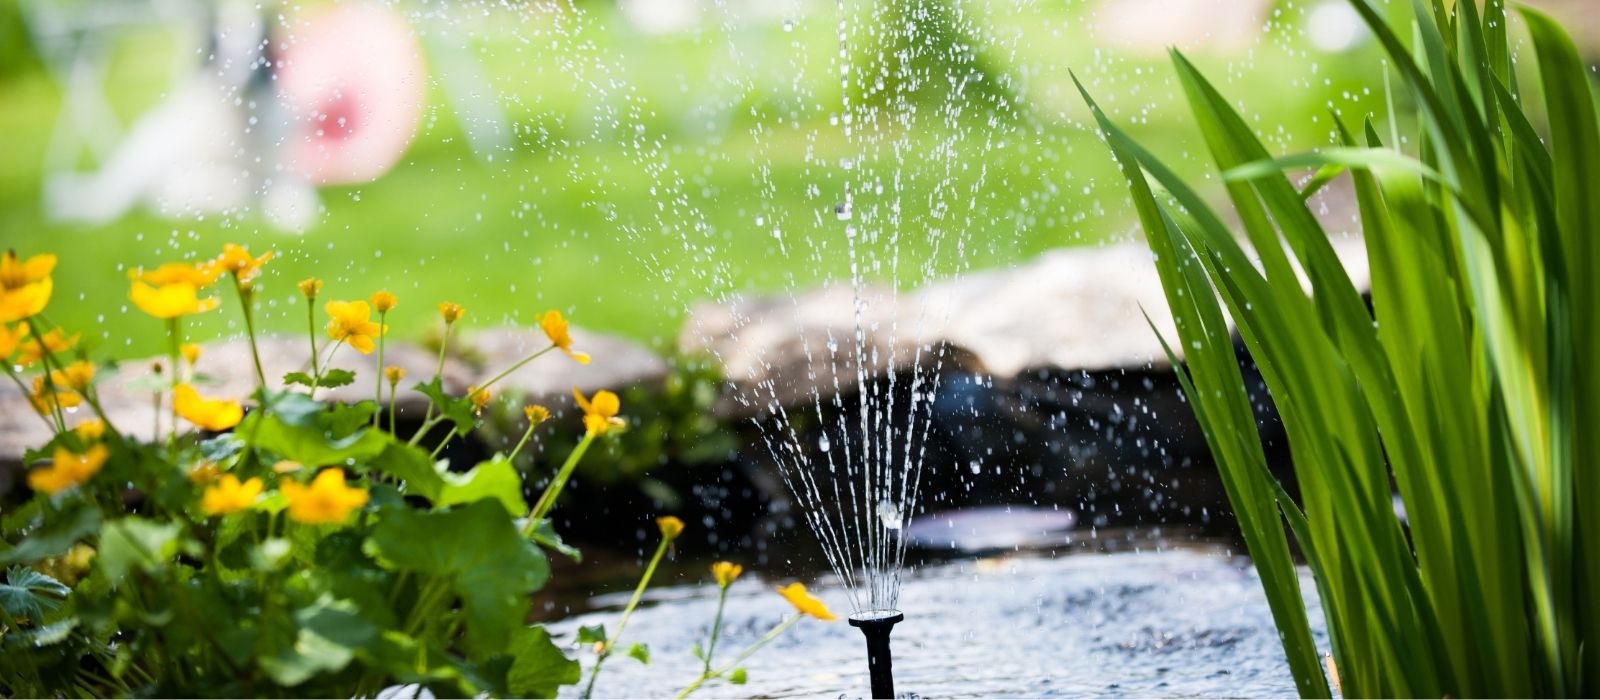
pixel 876 625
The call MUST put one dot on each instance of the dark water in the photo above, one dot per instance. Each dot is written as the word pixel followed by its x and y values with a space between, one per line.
pixel 1176 623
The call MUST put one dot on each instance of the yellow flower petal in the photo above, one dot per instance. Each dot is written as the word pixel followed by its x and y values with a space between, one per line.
pixel 806 603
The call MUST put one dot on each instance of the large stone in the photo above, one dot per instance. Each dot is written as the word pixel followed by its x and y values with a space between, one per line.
pixel 1069 309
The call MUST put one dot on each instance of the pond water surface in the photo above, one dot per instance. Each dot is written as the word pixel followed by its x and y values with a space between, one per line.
pixel 1179 623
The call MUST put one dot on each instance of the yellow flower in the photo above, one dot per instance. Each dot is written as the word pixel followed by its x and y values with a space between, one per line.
pixel 326 500
pixel 394 375
pixel 210 414
pixel 600 413
pixel 90 430
pixel 310 286
pixel 237 260
pixel 670 526
pixel 170 300
pixel 76 376
pixel 725 572
pixel 536 414
pixel 68 469
pixel 51 343
pixel 197 275
pixel 351 322
pixel 229 496
pixel 480 398
pixel 451 311
pixel 555 328
pixel 383 300
pixel 806 603
pixel 11 339
pixel 45 400
pixel 203 472
pixel 24 285
pixel 191 352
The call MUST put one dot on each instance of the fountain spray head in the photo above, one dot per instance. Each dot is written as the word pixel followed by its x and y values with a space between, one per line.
pixel 876 625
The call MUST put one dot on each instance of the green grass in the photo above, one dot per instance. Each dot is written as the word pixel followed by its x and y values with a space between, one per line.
pixel 571 218
pixel 1463 388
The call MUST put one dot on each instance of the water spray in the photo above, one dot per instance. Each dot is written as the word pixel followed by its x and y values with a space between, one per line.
pixel 876 626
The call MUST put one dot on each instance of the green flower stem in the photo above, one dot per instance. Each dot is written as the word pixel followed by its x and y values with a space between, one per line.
pixel 716 629
pixel 23 387
pixel 392 398
pixel 427 424
pixel 444 344
pixel 779 629
pixel 311 333
pixel 174 353
pixel 377 377
pixel 48 357
pixel 517 366
pixel 250 329
pixel 526 434
pixel 638 593
pixel 547 499
pixel 440 447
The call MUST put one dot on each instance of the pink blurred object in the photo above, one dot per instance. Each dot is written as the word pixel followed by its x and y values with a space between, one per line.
pixel 352 79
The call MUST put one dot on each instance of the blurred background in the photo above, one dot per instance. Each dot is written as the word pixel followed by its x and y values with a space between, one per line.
pixel 615 159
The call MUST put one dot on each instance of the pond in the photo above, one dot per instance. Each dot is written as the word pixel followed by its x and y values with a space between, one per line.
pixel 1188 622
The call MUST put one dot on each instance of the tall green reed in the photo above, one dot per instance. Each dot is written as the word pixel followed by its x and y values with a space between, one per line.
pixel 1463 387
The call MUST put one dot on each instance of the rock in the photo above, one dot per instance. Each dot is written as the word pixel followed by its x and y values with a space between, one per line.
pixel 549 380
pixel 1069 309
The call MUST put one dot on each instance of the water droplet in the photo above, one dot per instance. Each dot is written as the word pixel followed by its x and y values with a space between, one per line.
pixel 823 444
pixel 889 515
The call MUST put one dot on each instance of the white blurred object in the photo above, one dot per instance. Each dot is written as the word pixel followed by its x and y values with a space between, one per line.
pixel 1151 26
pixel 661 16
pixel 1333 26
pixel 336 100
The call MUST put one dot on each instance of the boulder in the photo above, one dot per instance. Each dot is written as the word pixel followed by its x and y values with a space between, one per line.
pixel 1069 309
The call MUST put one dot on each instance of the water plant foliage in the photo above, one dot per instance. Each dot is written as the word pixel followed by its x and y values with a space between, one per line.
pixel 1461 387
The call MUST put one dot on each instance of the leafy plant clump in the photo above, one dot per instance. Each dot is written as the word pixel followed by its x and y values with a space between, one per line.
pixel 298 548
pixel 1463 388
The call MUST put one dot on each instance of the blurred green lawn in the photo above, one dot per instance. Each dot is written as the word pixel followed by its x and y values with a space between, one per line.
pixel 574 220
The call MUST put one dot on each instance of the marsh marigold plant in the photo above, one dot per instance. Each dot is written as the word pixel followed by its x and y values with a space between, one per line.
pixel 272 543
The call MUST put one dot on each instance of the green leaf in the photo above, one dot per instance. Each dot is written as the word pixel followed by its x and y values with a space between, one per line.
pixel 342 419
pixel 491 567
pixel 698 651
pixel 136 543
pixel 592 634
pixel 538 668
pixel 738 676
pixel 496 479
pixel 327 636
pixel 641 652
pixel 412 466
pixel 334 378
pixel 30 594
pixel 300 378
pixel 545 534
pixel 458 410
pixel 293 407
pixel 59 532
pixel 313 445
pixel 221 447
pixel 270 555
